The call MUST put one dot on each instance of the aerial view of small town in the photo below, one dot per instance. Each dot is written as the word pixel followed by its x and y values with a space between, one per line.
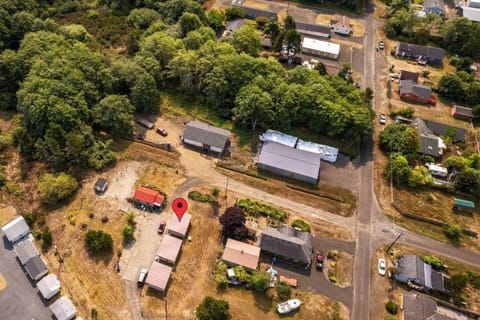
pixel 240 159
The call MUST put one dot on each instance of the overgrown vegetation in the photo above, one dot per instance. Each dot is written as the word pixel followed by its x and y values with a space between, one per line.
pixel 213 309
pixel 54 188
pixel 301 224
pixel 98 242
pixel 255 208
pixel 200 197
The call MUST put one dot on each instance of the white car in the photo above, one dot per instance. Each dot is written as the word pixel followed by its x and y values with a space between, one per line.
pixel 383 119
pixel 382 267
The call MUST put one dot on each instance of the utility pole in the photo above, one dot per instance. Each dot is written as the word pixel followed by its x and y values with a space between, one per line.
pixel 226 189
pixel 394 241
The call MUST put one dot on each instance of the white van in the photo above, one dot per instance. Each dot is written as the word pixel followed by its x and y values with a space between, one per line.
pixel 141 277
pixel 437 170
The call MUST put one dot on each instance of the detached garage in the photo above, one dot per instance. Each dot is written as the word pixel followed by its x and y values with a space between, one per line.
pixel 36 268
pixel 290 162
pixel 169 249
pixel 49 286
pixel 16 229
pixel 320 48
pixel 158 276
pixel 63 309
pixel 209 138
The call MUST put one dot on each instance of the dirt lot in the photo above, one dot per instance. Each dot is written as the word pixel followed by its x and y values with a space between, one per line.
pixel 382 291
pixel 191 280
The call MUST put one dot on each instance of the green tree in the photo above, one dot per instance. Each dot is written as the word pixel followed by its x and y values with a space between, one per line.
pixel 456 162
pixel 189 22
pixel 289 23
pixel 216 19
pixel 54 188
pixel 458 282
pixel 260 280
pixel 452 87
pixel 417 178
pixel 98 241
pixel 476 111
pixel 283 291
pixel 272 29
pixel 246 39
pixel 220 275
pixel 468 181
pixel 233 12
pixel 115 114
pixel 399 138
pixel 453 232
pixel 142 18
pixel 128 233
pixel 144 95
pixel 241 274
pixel 391 307
pixel 213 309
pixel 253 106
pixel 397 169
pixel 293 38
pixel 76 32
pixel 321 68
pixel 46 239
pixel 461 36
pixel 197 38
pixel 435 262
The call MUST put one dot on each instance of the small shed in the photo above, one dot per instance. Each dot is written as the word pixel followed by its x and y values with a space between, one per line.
pixel 461 112
pixel 36 268
pixel 158 276
pixel 169 249
pixel 177 228
pixel 149 199
pixel 63 309
pixel 463 204
pixel 25 250
pixel 16 229
pixel 320 48
pixel 49 286
pixel 101 185
pixel 241 254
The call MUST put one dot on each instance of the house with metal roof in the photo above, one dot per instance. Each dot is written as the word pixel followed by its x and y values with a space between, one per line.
pixel 36 268
pixel 407 75
pixel 472 14
pixel 252 13
pixel 415 273
pixel 241 254
pixel 434 6
pixel 25 250
pixel 432 55
pixel 16 229
pixel 313 29
pixel 158 276
pixel 49 286
pixel 279 137
pixel 416 306
pixel 461 112
pixel 148 199
pixel 429 143
pixel 179 228
pixel 63 309
pixel 169 249
pixel 289 243
pixel 289 162
pixel 320 48
pixel 341 25
pixel 412 91
pixel 473 3
pixel 208 138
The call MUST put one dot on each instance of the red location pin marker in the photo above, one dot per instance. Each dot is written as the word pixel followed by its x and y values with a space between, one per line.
pixel 179 206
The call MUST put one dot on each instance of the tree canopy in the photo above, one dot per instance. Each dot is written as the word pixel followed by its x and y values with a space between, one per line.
pixel 213 309
pixel 233 222
pixel 399 138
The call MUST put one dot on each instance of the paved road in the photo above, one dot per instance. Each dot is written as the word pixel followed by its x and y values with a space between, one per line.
pixel 21 298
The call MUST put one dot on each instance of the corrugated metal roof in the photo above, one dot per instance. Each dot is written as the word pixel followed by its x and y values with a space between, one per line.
pixel 16 228
pixel 289 159
pixel 169 248
pixel 179 227
pixel 279 137
pixel 327 153
pixel 323 46
pixel 464 204
pixel 63 309
pixel 206 134
pixel 158 276
pixel 25 250
pixel 241 253
pixel 148 196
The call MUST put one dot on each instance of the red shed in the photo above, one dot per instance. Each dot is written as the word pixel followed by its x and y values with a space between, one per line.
pixel 148 199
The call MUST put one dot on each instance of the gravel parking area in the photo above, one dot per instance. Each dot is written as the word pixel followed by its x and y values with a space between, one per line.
pixel 21 298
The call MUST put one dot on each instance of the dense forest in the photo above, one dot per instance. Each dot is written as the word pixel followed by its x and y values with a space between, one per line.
pixel 68 83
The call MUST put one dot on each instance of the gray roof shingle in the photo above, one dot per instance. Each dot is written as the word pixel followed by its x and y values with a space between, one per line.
pixel 36 267
pixel 416 50
pixel 409 86
pixel 206 134
pixel 407 75
pixel 288 242
pixel 440 129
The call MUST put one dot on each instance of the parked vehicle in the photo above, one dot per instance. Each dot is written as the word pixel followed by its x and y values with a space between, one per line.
pixel 145 123
pixel 288 306
pixel 319 259
pixel 382 119
pixel 162 132
pixel 381 45
pixel 141 277
pixel 161 227
pixel 382 267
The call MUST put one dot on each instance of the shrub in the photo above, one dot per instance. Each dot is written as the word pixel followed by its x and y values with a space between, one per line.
pixel 127 233
pixel 47 239
pixel 37 234
pixel 458 282
pixel 474 279
pixel 94 313
pixel 29 219
pixel 406 112
pixel 215 192
pixel 260 281
pixel 104 219
pixel 241 274
pixel 98 241
pixel 220 275
pixel 391 307
pixel 211 309
pixel 3 179
pixel 119 253
pixel 92 14
pixel 453 232
pixel 301 224
pixel 435 262
pixel 131 218
pixel 333 254
pixel 54 188
pixel 283 291
pixel 332 278
pixel 257 208
pixel 200 197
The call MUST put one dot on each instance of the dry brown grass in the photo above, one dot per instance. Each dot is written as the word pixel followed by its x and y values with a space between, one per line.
pixel 7 213
pixel 256 4
pixel 323 19
pixel 3 283
pixel 344 269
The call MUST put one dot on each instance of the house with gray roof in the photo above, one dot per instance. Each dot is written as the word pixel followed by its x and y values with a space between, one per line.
pixel 36 268
pixel 416 306
pixel 208 138
pixel 289 162
pixel 409 90
pixel 252 13
pixel 429 143
pixel 25 250
pixel 432 55
pixel 440 129
pixel 313 30
pixel 411 270
pixel 289 243
pixel 434 6
pixel 407 75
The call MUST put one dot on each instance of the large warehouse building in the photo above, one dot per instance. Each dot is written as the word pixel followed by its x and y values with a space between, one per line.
pixel 320 48
pixel 289 162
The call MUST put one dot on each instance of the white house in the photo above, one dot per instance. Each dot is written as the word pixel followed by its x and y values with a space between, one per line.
pixel 16 229
pixel 49 286
pixel 320 48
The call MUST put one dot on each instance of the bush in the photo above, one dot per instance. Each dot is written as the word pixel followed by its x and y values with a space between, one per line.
pixel 406 112
pixel 435 262
pixel 283 291
pixel 301 224
pixel 54 188
pixel 260 281
pixel 131 218
pixel 127 233
pixel 220 275
pixel 3 179
pixel 29 219
pixel 453 232
pixel 458 282
pixel 98 241
pixel 333 254
pixel 200 197
pixel 213 309
pixel 391 307
pixel 332 278
pixel 241 274
pixel 37 234
pixel 47 239
pixel 215 192
pixel 234 12
pixel 257 208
